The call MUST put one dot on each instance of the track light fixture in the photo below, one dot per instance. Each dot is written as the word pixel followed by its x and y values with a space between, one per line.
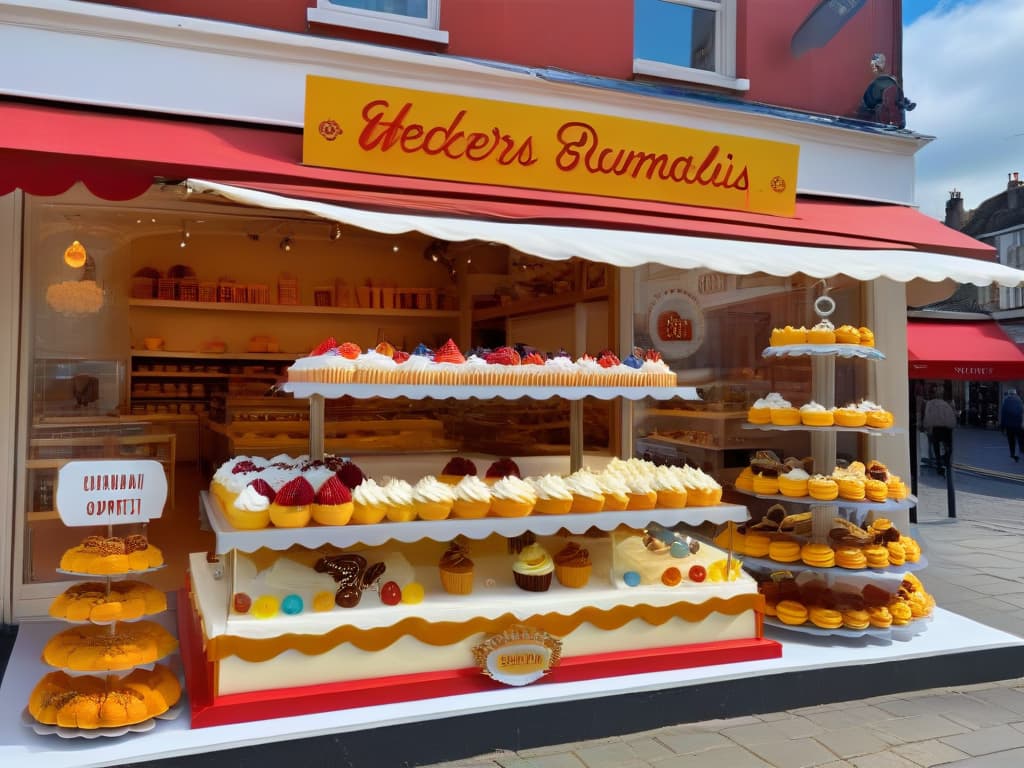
pixel 286 244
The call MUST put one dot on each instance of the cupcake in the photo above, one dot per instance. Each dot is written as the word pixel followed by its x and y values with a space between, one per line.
pixel 472 498
pixel 669 487
pixel 794 483
pixel 432 499
pixel 501 468
pixel 867 337
pixel 789 335
pixel 573 566
pixel 847 334
pixel 876 416
pixel 457 468
pixel 783 414
pixel 398 501
pixel 251 510
pixel 332 504
pixel 822 488
pixel 702 490
pixel 512 497
pixel 456 569
pixel 553 495
pixel 822 333
pixel 816 415
pixel 876 490
pixel 849 416
pixel 370 503
pixel 533 568
pixel 766 481
pixel 745 480
pixel 291 505
pixel 616 493
pixel 586 491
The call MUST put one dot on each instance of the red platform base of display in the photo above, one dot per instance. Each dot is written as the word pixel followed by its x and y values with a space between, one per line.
pixel 208 709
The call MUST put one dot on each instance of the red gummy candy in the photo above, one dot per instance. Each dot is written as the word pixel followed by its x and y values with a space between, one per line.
pixel 263 488
pixel 449 353
pixel 503 356
pixel 349 350
pixel 533 359
pixel 295 493
pixel 390 593
pixel 333 492
pixel 400 356
pixel 324 347
pixel 242 602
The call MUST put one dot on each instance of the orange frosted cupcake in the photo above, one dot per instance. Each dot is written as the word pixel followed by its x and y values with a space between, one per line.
pixel 553 495
pixel 850 416
pixel 370 503
pixel 815 415
pixel 432 499
pixel 512 497
pixel 573 566
pixel 615 490
pixel 292 505
pixel 586 491
pixel 472 498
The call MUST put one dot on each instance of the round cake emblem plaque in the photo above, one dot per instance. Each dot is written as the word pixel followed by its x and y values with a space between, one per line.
pixel 519 655
pixel 675 324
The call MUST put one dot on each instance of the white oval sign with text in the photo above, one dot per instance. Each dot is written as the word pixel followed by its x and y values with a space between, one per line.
pixel 111 492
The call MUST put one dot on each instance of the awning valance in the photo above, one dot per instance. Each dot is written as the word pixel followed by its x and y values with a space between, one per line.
pixel 45 149
pixel 976 350
pixel 629 248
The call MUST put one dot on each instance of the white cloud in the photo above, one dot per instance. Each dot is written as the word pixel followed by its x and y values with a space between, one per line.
pixel 963 68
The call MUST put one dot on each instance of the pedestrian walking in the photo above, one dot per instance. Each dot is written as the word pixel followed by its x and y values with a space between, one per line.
pixel 1011 421
pixel 938 421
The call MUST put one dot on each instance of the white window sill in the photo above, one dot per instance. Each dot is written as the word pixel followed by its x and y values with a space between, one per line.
pixel 356 21
pixel 673 72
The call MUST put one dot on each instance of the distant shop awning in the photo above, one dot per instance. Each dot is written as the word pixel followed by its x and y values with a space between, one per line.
pixel 45 149
pixel 631 248
pixel 976 350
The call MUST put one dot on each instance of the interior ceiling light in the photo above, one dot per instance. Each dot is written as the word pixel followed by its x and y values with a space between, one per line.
pixel 286 244
pixel 185 235
pixel 75 255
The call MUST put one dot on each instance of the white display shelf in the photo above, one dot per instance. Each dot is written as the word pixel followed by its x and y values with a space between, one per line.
pixel 805 428
pixel 114 576
pixel 94 733
pixel 122 672
pixel 889 505
pixel 824 350
pixel 480 392
pixel 313 536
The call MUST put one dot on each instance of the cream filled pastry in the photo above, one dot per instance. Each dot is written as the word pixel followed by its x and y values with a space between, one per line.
pixel 512 497
pixel 587 495
pixel 398 500
pixel 432 499
pixel 472 498
pixel 371 503
pixel 553 495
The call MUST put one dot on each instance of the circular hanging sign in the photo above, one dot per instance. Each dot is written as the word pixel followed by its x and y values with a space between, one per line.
pixel 675 324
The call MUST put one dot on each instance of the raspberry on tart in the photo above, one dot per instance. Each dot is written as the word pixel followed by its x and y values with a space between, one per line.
pixel 503 356
pixel 400 356
pixel 349 350
pixel 263 488
pixel 324 347
pixel 459 465
pixel 533 358
pixel 333 492
pixel 449 353
pixel 297 492
pixel 350 474
pixel 608 360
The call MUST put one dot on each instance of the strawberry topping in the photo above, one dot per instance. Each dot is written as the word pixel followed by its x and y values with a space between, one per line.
pixel 385 348
pixel 244 466
pixel 459 466
pixel 350 474
pixel 449 353
pixel 324 347
pixel 349 350
pixel 263 488
pixel 333 492
pixel 503 356
pixel 533 359
pixel 503 467
pixel 653 355
pixel 297 492
pixel 400 356
pixel 608 360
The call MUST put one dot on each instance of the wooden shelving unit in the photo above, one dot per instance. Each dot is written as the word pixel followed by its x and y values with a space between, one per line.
pixel 290 309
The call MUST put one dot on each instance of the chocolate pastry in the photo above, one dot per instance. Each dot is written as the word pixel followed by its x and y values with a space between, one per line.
pixel 349 571
pixel 136 542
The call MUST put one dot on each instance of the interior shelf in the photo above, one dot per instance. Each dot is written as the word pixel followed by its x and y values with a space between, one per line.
pixel 767 564
pixel 291 309
pixel 313 536
pixel 879 506
pixel 805 428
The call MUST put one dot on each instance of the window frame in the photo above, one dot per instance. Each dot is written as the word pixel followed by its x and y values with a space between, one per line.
pixel 398 24
pixel 724 74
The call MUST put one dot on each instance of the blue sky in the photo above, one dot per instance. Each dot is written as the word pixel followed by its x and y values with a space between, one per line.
pixel 962 65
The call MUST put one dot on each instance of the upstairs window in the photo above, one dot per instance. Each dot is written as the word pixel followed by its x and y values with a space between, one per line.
pixel 406 18
pixel 692 40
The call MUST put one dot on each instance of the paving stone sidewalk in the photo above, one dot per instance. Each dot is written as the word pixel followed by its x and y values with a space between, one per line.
pixel 976 569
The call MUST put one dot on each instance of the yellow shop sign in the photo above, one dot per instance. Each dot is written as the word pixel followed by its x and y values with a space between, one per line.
pixel 402 132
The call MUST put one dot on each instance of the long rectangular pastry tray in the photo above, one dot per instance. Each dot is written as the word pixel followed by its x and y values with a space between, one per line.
pixel 888 505
pixel 482 392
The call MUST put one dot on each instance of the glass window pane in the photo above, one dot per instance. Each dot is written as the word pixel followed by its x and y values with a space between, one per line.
pixel 413 8
pixel 675 34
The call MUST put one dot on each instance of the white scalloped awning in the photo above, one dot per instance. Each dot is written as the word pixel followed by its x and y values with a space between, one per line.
pixel 626 248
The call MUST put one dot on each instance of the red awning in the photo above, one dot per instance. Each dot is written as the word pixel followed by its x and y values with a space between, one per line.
pixel 978 351
pixel 46 149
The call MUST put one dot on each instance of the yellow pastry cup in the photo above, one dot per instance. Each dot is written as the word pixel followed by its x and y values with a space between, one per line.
pixel 290 517
pixel 784 551
pixel 470 510
pixel 399 513
pixel 856 619
pixel 586 504
pixel 879 419
pixel 821 337
pixel 457 583
pixel 756 545
pixel 432 510
pixel 703 497
pixel 822 490
pixel 573 576
pixel 847 417
pixel 851 489
pixel 245 520
pixel 613 503
pixel 552 506
pixel 759 415
pixel 511 507
pixel 826 618
pixel 817 418
pixel 794 489
pixel 880 617
pixel 333 514
pixel 745 480
pixel 876 490
pixel 847 334
pixel 785 417
pixel 867 337
pixel 790 612
pixel 368 514
pixel 642 500
pixel 766 485
pixel 671 499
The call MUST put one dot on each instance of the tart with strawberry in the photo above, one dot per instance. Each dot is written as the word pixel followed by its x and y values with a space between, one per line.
pixel 332 504
pixel 291 507
pixel 457 468
pixel 503 467
pixel 250 510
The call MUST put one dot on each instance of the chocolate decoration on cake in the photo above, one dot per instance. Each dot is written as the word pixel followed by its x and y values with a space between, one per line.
pixel 372 574
pixel 348 597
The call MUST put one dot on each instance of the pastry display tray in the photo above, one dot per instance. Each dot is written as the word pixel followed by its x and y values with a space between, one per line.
pixel 764 563
pixel 481 392
pixel 314 536
pixel 824 350
pixel 94 733
pixel 805 428
pixel 902 632
pixel 888 505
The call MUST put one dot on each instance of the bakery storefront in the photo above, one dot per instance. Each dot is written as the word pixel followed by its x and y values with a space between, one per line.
pixel 534 316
